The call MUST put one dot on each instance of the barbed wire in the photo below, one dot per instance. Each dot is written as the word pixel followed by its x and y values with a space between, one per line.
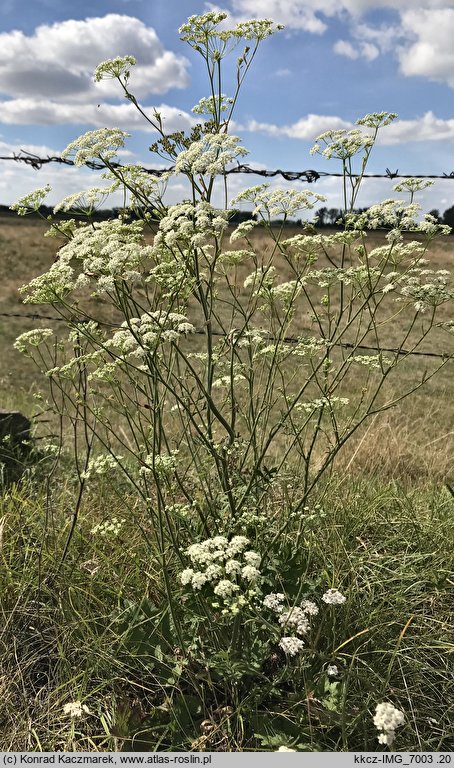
pixel 310 175
pixel 267 337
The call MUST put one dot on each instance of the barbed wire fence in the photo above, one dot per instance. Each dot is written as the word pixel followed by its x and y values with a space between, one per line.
pixel 267 337
pixel 310 176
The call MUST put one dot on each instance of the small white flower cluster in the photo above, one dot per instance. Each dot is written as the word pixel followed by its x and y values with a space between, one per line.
pixel 186 225
pixel 396 214
pixel 270 202
pixel 427 287
pixel 100 465
pixel 32 339
pixel 108 250
pixel 162 465
pixel 139 335
pixel 142 186
pixel 312 245
pixel 333 597
pixel 198 31
pixel 226 381
pixel 287 293
pixel 386 719
pixel 114 68
pixel 235 257
pixel 274 601
pixel 257 29
pixel 52 286
pixel 413 185
pixel 291 645
pixel 260 280
pixel 397 252
pixel 242 230
pixel 370 361
pixel 103 143
pixel 31 202
pixel 212 106
pixel 350 276
pixel 295 618
pixel 321 402
pixel 309 346
pixel 285 749
pixel 86 199
pixel 342 144
pixel 110 527
pixel 376 119
pixel 76 709
pixel 197 28
pixel 211 155
pixel 228 567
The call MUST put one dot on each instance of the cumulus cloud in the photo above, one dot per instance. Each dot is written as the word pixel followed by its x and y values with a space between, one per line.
pixel 31 111
pixel 423 129
pixel 367 51
pixel 344 48
pixel 59 59
pixel 431 53
pixel 306 128
pixel 421 39
pixel 312 15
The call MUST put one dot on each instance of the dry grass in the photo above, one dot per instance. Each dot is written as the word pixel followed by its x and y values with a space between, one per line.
pixel 412 442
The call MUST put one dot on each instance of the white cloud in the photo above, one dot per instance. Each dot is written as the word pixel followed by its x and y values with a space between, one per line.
pixel 284 72
pixel 421 39
pixel 311 15
pixel 58 60
pixel 422 129
pixel 425 128
pixel 30 111
pixel 306 128
pixel 344 48
pixel 431 54
pixel 365 50
pixel 296 15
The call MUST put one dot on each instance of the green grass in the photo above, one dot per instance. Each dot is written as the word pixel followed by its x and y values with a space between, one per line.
pixel 70 634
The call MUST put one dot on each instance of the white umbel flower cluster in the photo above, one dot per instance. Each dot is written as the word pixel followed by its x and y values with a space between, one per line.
pixel 103 143
pixel 186 225
pixel 333 597
pixel 76 709
pixel 342 144
pixel 296 618
pixel 270 202
pixel 107 251
pixel 386 719
pixel 211 155
pixel 31 202
pixel 110 527
pixel 32 339
pixel 100 465
pixel 141 334
pixel 291 645
pixel 228 568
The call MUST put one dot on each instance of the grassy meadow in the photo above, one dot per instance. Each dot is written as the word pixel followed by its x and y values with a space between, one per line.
pixel 87 627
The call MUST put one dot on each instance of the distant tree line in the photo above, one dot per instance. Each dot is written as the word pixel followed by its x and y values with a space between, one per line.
pixel 326 217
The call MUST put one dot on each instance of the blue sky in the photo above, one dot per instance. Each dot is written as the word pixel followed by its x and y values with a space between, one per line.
pixel 335 61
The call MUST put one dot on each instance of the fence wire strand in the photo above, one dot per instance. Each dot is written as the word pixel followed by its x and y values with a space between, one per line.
pixel 268 337
pixel 310 175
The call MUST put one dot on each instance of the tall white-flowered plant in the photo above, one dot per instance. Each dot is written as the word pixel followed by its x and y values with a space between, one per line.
pixel 202 365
